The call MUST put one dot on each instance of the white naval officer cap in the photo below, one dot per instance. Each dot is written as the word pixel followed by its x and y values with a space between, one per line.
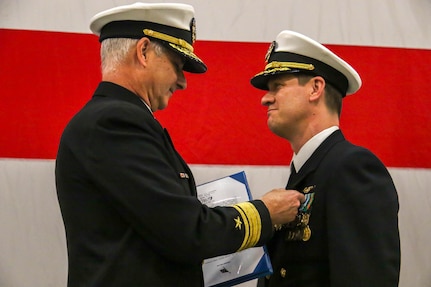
pixel 173 24
pixel 293 52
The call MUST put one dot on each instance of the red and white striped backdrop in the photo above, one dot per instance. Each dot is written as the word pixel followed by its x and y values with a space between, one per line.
pixel 49 67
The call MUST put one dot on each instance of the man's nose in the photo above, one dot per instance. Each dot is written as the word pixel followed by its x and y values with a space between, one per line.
pixel 267 99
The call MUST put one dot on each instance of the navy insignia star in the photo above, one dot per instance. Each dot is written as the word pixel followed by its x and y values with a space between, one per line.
pixel 238 223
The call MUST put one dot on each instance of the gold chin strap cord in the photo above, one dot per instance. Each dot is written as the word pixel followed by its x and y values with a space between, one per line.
pixel 290 65
pixel 164 37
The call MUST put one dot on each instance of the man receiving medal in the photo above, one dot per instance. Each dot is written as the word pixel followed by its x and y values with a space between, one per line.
pixel 346 231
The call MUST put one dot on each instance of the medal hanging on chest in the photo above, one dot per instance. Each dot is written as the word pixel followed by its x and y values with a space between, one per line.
pixel 299 229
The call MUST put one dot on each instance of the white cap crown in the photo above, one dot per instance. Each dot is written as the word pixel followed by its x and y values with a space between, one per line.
pixel 293 52
pixel 171 23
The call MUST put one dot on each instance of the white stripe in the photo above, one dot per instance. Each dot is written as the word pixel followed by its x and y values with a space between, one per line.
pixel 393 23
pixel 32 240
pixel 31 225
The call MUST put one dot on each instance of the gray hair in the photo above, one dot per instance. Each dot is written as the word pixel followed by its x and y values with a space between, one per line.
pixel 113 51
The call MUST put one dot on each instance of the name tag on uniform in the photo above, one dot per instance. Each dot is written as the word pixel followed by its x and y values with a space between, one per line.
pixel 184 175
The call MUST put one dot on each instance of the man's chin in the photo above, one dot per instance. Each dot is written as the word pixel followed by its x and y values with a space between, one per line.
pixel 162 106
pixel 275 129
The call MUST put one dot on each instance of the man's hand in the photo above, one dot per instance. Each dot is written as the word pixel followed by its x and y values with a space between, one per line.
pixel 283 204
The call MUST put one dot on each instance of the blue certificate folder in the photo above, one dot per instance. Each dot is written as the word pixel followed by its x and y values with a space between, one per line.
pixel 239 267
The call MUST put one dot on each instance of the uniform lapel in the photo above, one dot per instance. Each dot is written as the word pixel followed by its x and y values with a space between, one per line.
pixel 313 162
pixel 180 163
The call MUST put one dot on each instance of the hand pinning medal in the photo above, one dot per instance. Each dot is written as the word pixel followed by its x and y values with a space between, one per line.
pixel 299 230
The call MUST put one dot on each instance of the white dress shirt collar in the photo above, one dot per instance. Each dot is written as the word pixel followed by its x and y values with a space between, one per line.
pixel 147 107
pixel 310 146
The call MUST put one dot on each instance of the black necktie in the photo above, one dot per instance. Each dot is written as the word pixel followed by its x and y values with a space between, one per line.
pixel 292 168
pixel 292 176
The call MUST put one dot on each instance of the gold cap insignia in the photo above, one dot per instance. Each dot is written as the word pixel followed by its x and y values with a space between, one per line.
pixel 193 30
pixel 270 50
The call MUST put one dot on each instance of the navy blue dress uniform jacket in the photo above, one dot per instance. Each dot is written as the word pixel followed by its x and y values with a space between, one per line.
pixel 128 201
pixel 353 221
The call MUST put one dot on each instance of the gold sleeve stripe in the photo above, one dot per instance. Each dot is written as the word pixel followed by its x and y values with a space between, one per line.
pixel 252 224
pixel 246 227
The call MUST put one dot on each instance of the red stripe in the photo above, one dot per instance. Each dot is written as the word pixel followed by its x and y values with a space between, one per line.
pixel 47 76
pixel 45 79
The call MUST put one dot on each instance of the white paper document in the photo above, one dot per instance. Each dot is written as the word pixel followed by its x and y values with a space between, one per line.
pixel 235 268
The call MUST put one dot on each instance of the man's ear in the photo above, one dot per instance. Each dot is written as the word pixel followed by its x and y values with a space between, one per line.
pixel 318 86
pixel 142 49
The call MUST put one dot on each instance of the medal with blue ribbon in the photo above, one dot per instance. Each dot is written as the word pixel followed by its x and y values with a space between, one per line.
pixel 306 205
pixel 299 230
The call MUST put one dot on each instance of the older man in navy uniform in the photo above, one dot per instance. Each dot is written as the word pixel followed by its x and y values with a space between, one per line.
pixel 127 197
pixel 346 233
